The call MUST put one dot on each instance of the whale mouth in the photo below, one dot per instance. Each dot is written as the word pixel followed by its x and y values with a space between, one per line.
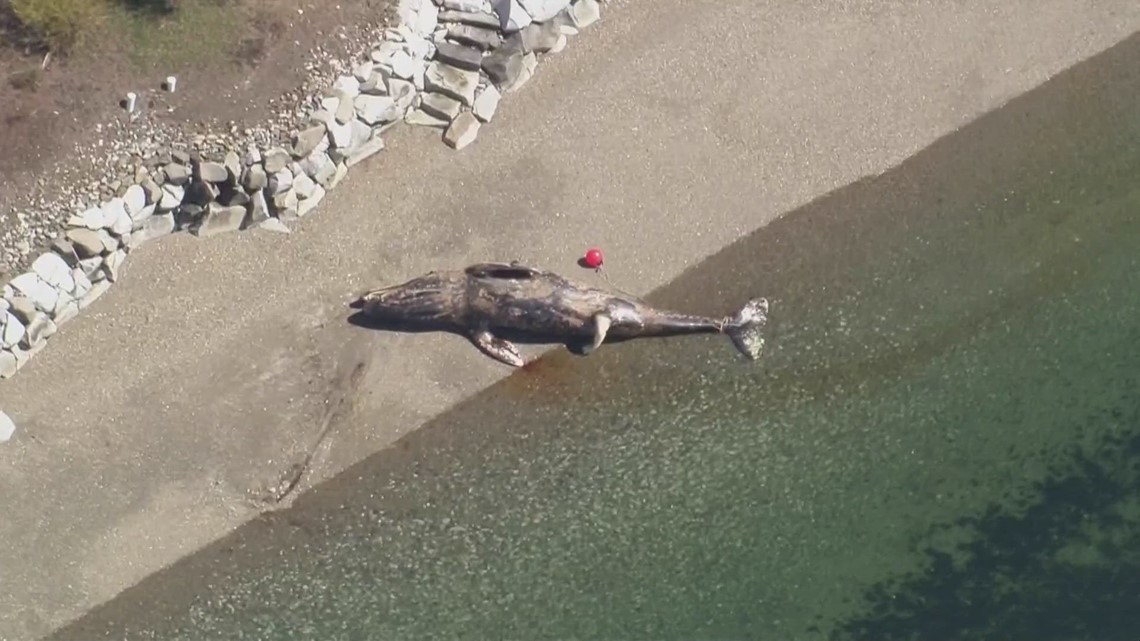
pixel 372 298
pixel 429 297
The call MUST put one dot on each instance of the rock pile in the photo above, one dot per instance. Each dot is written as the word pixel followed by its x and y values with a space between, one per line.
pixel 446 65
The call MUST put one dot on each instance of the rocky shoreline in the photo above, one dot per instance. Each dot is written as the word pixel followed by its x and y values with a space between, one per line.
pixel 446 65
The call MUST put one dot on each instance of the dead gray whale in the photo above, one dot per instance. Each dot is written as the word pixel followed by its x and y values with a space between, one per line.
pixel 494 304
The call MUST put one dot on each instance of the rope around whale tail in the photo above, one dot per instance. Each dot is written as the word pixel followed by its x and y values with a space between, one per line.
pixel 745 328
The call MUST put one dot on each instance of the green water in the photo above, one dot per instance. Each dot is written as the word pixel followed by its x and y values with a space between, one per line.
pixel 943 441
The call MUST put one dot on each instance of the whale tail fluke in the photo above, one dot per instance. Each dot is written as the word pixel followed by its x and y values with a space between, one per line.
pixel 746 328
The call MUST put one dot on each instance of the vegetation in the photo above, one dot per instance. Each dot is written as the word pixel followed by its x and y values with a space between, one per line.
pixel 57 25
pixel 62 25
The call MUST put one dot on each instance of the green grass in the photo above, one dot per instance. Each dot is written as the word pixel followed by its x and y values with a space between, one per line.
pixel 197 32
pixel 200 32
pixel 60 25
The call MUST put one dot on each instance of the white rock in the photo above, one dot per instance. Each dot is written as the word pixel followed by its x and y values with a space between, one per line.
pixel 427 16
pixel 135 199
pixel 64 298
pixel 67 312
pixel 280 182
pixel 252 155
pixel 543 10
pixel 403 65
pixel 82 283
pixel 375 84
pixel 451 81
pixel 91 267
pixel 31 285
pixel 327 174
pixel 360 133
pixel 340 135
pixel 52 269
pixel 304 185
pixel 8 368
pixel 420 48
pixel 65 288
pixel 384 51
pixel 462 132
pixel 113 263
pixel 85 242
pixel 287 200
pixel 362 71
pixel 112 210
pixel 122 224
pixel 585 13
pixel 110 243
pixel 403 92
pixel 529 64
pixel 220 219
pixel 308 204
pixel 316 161
pixel 406 13
pixel 440 106
pixel 559 44
pixel 171 197
pixel 258 207
pixel 40 329
pixel 486 103
pixel 347 84
pixel 421 118
pixel 369 148
pixel 470 6
pixel 374 110
pixel 418 77
pixel 512 16
pixel 274 225
pixel 13 330
pixel 338 175
pixel 143 214
pixel 21 355
pixel 344 110
pixel 93 219
pixel 97 290
pixel 7 427
pixel 23 308
pixel 329 106
pixel 148 230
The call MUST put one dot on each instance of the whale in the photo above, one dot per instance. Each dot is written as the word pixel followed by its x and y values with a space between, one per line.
pixel 498 305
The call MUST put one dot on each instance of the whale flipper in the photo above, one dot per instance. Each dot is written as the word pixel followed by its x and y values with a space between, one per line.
pixel 602 322
pixel 501 350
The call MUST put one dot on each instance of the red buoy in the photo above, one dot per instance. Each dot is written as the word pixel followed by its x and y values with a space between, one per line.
pixel 593 258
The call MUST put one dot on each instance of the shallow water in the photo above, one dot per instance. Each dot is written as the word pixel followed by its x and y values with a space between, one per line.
pixel 943 441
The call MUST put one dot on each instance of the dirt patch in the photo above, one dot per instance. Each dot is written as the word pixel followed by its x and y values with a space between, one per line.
pixel 237 64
